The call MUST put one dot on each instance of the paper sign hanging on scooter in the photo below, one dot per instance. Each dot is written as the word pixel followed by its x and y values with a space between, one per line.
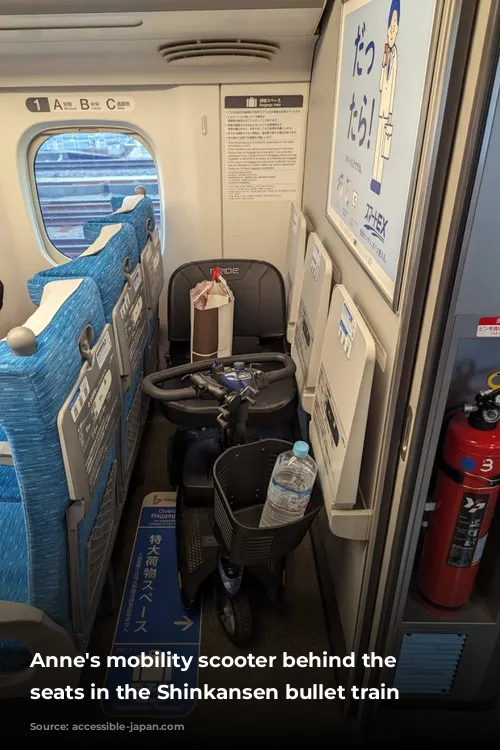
pixel 212 313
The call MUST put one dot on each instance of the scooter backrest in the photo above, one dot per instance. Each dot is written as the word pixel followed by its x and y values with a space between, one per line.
pixel 259 298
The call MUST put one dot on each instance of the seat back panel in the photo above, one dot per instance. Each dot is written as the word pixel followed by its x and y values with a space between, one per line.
pixel 89 418
pixel 130 322
pixel 91 538
pixel 152 263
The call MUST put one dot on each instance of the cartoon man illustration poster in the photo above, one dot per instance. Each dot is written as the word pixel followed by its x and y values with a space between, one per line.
pixel 387 87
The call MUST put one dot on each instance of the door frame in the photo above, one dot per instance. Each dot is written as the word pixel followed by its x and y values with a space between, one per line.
pixel 390 591
pixel 450 67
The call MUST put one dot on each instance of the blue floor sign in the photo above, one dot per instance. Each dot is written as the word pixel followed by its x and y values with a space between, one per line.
pixel 152 623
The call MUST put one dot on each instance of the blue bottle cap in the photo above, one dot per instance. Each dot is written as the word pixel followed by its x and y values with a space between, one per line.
pixel 300 449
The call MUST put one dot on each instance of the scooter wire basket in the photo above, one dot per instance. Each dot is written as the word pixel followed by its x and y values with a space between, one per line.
pixel 241 479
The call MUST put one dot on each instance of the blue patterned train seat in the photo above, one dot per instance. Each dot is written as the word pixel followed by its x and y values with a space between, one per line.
pixel 138 211
pixel 112 260
pixel 60 405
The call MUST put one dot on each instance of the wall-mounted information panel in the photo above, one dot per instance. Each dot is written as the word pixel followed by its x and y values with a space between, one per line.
pixel 263 133
pixel 387 48
pixel 340 411
pixel 262 153
pixel 294 267
pixel 311 320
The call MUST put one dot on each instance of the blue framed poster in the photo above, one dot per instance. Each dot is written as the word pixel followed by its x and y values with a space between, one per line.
pixel 385 55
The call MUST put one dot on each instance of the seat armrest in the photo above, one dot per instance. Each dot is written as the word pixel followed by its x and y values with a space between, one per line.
pixel 40 635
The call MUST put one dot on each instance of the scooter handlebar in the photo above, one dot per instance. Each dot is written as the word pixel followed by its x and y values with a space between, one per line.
pixel 151 382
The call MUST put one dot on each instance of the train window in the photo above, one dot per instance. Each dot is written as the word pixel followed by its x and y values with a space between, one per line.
pixel 76 173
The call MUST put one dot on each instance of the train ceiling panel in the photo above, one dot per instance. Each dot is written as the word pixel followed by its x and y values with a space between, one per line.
pixel 35 7
pixel 159 26
pixel 292 19
pixel 167 41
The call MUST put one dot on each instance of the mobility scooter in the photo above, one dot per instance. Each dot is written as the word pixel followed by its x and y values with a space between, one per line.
pixel 220 505
pixel 218 406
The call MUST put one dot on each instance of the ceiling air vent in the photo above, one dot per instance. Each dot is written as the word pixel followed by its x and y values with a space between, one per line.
pixel 217 51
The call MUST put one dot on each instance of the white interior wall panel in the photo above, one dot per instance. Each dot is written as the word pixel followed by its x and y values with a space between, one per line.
pixel 180 124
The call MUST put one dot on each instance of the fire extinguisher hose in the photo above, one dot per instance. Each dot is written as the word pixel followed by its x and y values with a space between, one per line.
pixel 491 380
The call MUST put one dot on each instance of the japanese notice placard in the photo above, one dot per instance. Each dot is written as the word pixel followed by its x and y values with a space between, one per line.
pixel 262 147
pixel 488 328
pixel 384 60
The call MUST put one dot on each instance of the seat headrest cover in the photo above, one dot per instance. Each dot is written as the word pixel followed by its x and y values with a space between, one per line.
pixel 136 210
pixel 54 295
pixel 107 232
pixel 129 203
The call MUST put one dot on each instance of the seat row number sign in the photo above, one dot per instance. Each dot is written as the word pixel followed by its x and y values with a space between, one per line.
pixel 90 103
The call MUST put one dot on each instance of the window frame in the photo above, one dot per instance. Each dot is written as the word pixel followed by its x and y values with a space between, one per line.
pixel 49 249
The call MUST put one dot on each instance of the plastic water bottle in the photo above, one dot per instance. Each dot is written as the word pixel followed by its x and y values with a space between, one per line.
pixel 290 487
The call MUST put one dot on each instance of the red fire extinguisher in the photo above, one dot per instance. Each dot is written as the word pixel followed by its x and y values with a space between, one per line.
pixel 467 488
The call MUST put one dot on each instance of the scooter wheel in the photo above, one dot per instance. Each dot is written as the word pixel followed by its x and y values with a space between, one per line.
pixel 235 615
